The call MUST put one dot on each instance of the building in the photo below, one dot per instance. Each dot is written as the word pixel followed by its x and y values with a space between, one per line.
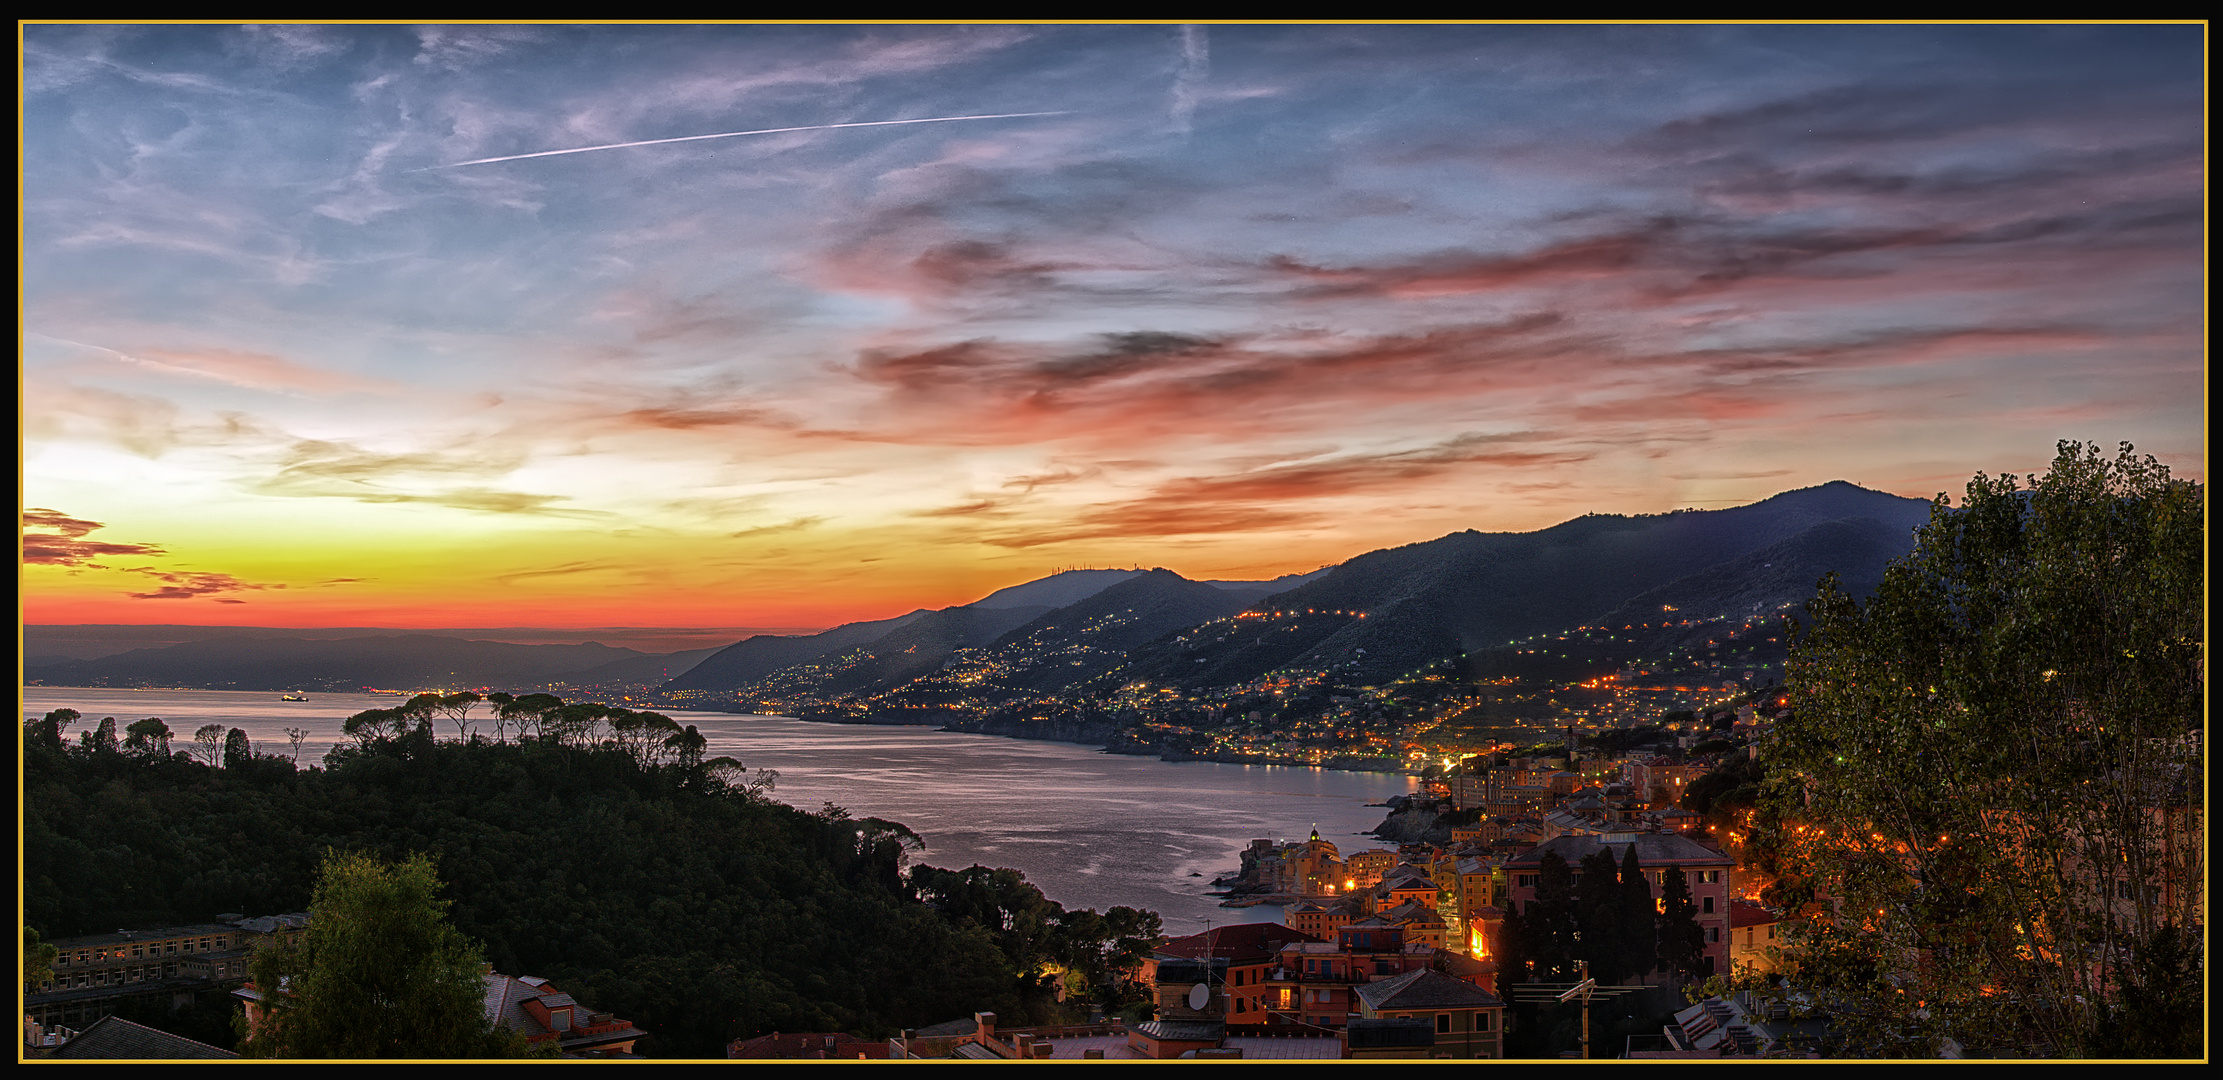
pixel 1367 867
pixel 1753 932
pixel 1322 918
pixel 530 1006
pixel 93 973
pixel 1192 1008
pixel 1311 867
pixel 1469 1021
pixel 819 1045
pixel 533 1007
pixel 1706 871
pixel 1313 981
pixel 1403 884
pixel 1245 954
pixel 1421 923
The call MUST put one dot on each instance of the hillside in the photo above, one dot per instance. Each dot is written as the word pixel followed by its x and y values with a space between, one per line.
pixel 1470 591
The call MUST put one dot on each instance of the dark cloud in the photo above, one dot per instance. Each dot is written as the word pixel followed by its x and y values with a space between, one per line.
pixel 63 543
pixel 1274 498
pixel 565 570
pixel 791 525
pixel 1127 354
pixel 983 506
pixel 688 419
pixel 188 585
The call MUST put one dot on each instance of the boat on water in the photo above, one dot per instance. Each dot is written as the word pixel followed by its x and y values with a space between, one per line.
pixel 293 697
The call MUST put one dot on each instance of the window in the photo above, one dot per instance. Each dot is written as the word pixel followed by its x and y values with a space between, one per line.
pixel 1443 1023
pixel 1482 1021
pixel 1706 906
pixel 1713 934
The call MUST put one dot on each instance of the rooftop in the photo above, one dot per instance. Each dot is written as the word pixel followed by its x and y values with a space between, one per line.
pixel 112 1038
pixel 1425 989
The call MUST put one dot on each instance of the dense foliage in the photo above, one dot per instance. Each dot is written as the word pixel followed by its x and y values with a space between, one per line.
pixel 1606 918
pixel 1991 785
pixel 380 974
pixel 609 858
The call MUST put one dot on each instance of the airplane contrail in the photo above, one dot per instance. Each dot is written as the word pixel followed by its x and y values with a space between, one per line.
pixel 733 134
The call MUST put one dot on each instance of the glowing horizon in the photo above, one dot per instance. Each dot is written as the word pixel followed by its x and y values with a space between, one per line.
pixel 1239 301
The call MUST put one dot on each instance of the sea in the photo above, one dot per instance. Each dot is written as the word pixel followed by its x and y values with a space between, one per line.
pixel 1090 829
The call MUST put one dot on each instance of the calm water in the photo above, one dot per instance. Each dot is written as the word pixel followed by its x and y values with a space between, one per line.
pixel 1090 829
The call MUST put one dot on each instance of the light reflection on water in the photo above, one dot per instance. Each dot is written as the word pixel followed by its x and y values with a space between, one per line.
pixel 1090 829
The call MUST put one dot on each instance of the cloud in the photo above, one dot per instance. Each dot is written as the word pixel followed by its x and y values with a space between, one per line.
pixel 564 570
pixel 315 468
pixel 290 47
pixel 791 525
pixel 459 48
pixel 63 544
pixel 253 370
pixel 188 585
pixel 978 507
pixel 683 418
pixel 144 426
pixel 1276 498
pixel 1196 64
pixel 1703 474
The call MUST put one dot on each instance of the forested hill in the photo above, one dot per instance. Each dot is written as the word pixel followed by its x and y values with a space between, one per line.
pixel 1472 590
pixel 672 892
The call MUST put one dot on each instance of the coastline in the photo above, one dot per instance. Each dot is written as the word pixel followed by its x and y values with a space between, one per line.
pixel 1106 739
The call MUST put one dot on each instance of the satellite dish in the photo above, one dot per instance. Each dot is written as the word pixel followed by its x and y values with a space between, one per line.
pixel 1198 996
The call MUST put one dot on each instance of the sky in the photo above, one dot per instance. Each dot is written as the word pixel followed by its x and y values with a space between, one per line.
pixel 317 331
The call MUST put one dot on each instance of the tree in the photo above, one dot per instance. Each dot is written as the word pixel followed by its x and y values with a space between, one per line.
pixel 1598 916
pixel 1993 767
pixel 47 731
pixel 688 746
pixel 238 751
pixel 1682 942
pixel 1639 917
pixel 37 966
pixel 208 742
pixel 295 735
pixel 1546 926
pixel 457 708
pixel 101 739
pixel 148 738
pixel 379 974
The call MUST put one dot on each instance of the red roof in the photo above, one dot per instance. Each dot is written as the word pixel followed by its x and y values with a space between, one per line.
pixel 1242 943
pixel 1747 913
